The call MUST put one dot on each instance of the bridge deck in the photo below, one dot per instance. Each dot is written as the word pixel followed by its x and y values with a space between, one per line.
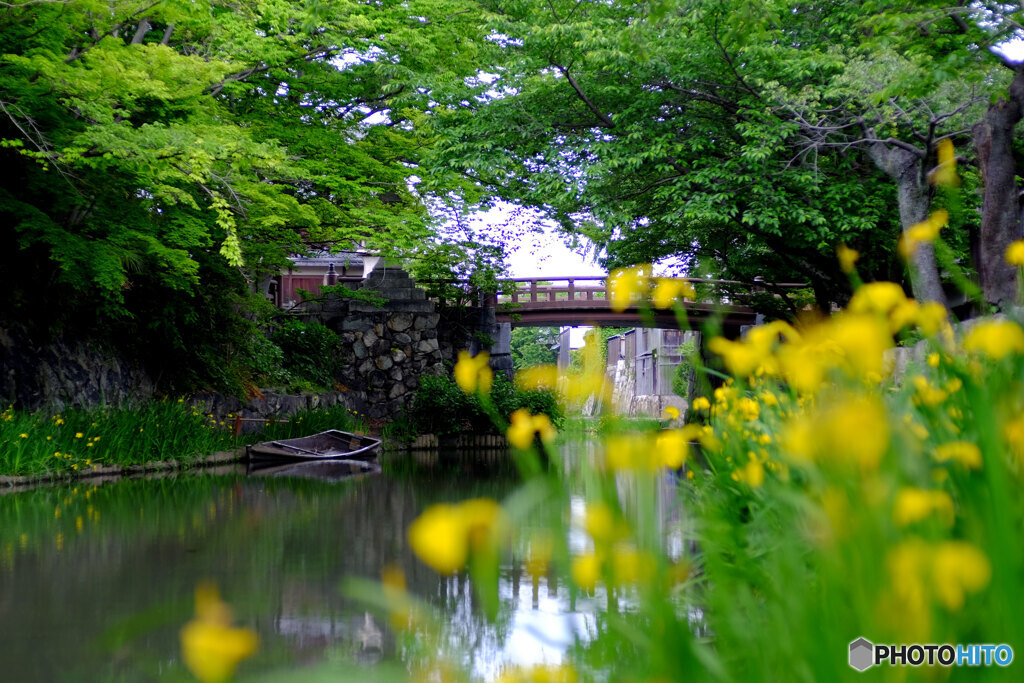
pixel 585 300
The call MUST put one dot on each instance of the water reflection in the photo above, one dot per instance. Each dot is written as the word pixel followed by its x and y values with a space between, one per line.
pixel 104 573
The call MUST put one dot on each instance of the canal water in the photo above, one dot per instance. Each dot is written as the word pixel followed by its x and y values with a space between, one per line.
pixel 97 579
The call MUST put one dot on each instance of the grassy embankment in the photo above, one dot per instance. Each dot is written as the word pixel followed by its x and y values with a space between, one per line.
pixel 74 442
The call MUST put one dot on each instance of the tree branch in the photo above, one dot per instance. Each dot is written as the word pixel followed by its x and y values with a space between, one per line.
pixel 606 121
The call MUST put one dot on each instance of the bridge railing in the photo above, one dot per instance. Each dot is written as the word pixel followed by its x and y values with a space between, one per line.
pixel 593 291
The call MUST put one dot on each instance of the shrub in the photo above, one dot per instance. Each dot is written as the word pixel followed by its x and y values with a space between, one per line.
pixel 441 407
pixel 310 351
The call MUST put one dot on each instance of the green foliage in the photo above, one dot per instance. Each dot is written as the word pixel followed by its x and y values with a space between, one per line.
pixel 741 140
pixel 73 441
pixel 159 156
pixel 365 296
pixel 681 376
pixel 441 407
pixel 310 351
pixel 533 346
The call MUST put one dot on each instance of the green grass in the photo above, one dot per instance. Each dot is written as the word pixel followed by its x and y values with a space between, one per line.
pixel 75 441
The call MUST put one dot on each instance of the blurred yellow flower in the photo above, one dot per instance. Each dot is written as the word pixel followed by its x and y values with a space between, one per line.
pixel 671 412
pixel 538 554
pixel 585 571
pixel 667 290
pixel 603 524
pixel 847 258
pixel 539 673
pixel 524 426
pixel 965 453
pixel 959 568
pixel 995 339
pixel 751 474
pixel 473 373
pixel 672 445
pixel 926 393
pixel 211 647
pixel 537 377
pixel 945 174
pixel 439 538
pixel 444 534
pixel 1015 253
pixel 630 566
pixel 701 403
pixel 913 505
pixel 877 297
pixel 627 451
pixel 925 231
pixel 625 285
pixel 932 318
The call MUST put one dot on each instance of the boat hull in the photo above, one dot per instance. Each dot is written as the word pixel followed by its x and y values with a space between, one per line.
pixel 330 445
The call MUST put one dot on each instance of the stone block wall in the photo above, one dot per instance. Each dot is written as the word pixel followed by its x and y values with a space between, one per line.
pixel 66 373
pixel 385 349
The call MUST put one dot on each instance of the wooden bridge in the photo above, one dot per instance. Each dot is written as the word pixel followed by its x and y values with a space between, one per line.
pixel 573 301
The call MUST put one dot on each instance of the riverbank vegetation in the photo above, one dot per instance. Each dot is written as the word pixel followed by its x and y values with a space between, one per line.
pixel 74 442
pixel 813 498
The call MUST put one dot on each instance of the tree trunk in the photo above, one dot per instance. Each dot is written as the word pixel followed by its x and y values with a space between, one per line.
pixel 1000 209
pixel 913 196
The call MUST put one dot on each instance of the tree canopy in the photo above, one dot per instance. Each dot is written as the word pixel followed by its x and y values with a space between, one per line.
pixel 754 138
pixel 161 155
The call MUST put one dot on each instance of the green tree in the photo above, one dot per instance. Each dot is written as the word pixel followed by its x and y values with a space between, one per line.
pixel 534 346
pixel 161 157
pixel 753 138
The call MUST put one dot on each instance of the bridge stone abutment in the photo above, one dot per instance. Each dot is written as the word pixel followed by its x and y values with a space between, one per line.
pixel 388 348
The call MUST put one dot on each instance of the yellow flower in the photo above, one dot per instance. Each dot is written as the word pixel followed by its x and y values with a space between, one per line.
pixel 925 231
pixel 1015 253
pixel 748 408
pixel 913 505
pixel 211 647
pixel 627 451
pixel 670 411
pixel 538 554
pixel 630 566
pixel 601 522
pixel 24 436
pixel 585 571
pixel 444 534
pixel 539 673
pixel 439 538
pixel 932 318
pixel 537 377
pixel 958 568
pixel 751 474
pixel 964 452
pixel 847 258
pixel 672 445
pixel 701 403
pixel 877 297
pixel 741 359
pixel 79 435
pixel 995 339
pixel 524 425
pixel 945 173
pixel 624 286
pixel 851 430
pixel 667 290
pixel 473 373
pixel 927 394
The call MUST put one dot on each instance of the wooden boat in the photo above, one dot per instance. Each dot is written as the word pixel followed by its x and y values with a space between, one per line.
pixel 329 445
